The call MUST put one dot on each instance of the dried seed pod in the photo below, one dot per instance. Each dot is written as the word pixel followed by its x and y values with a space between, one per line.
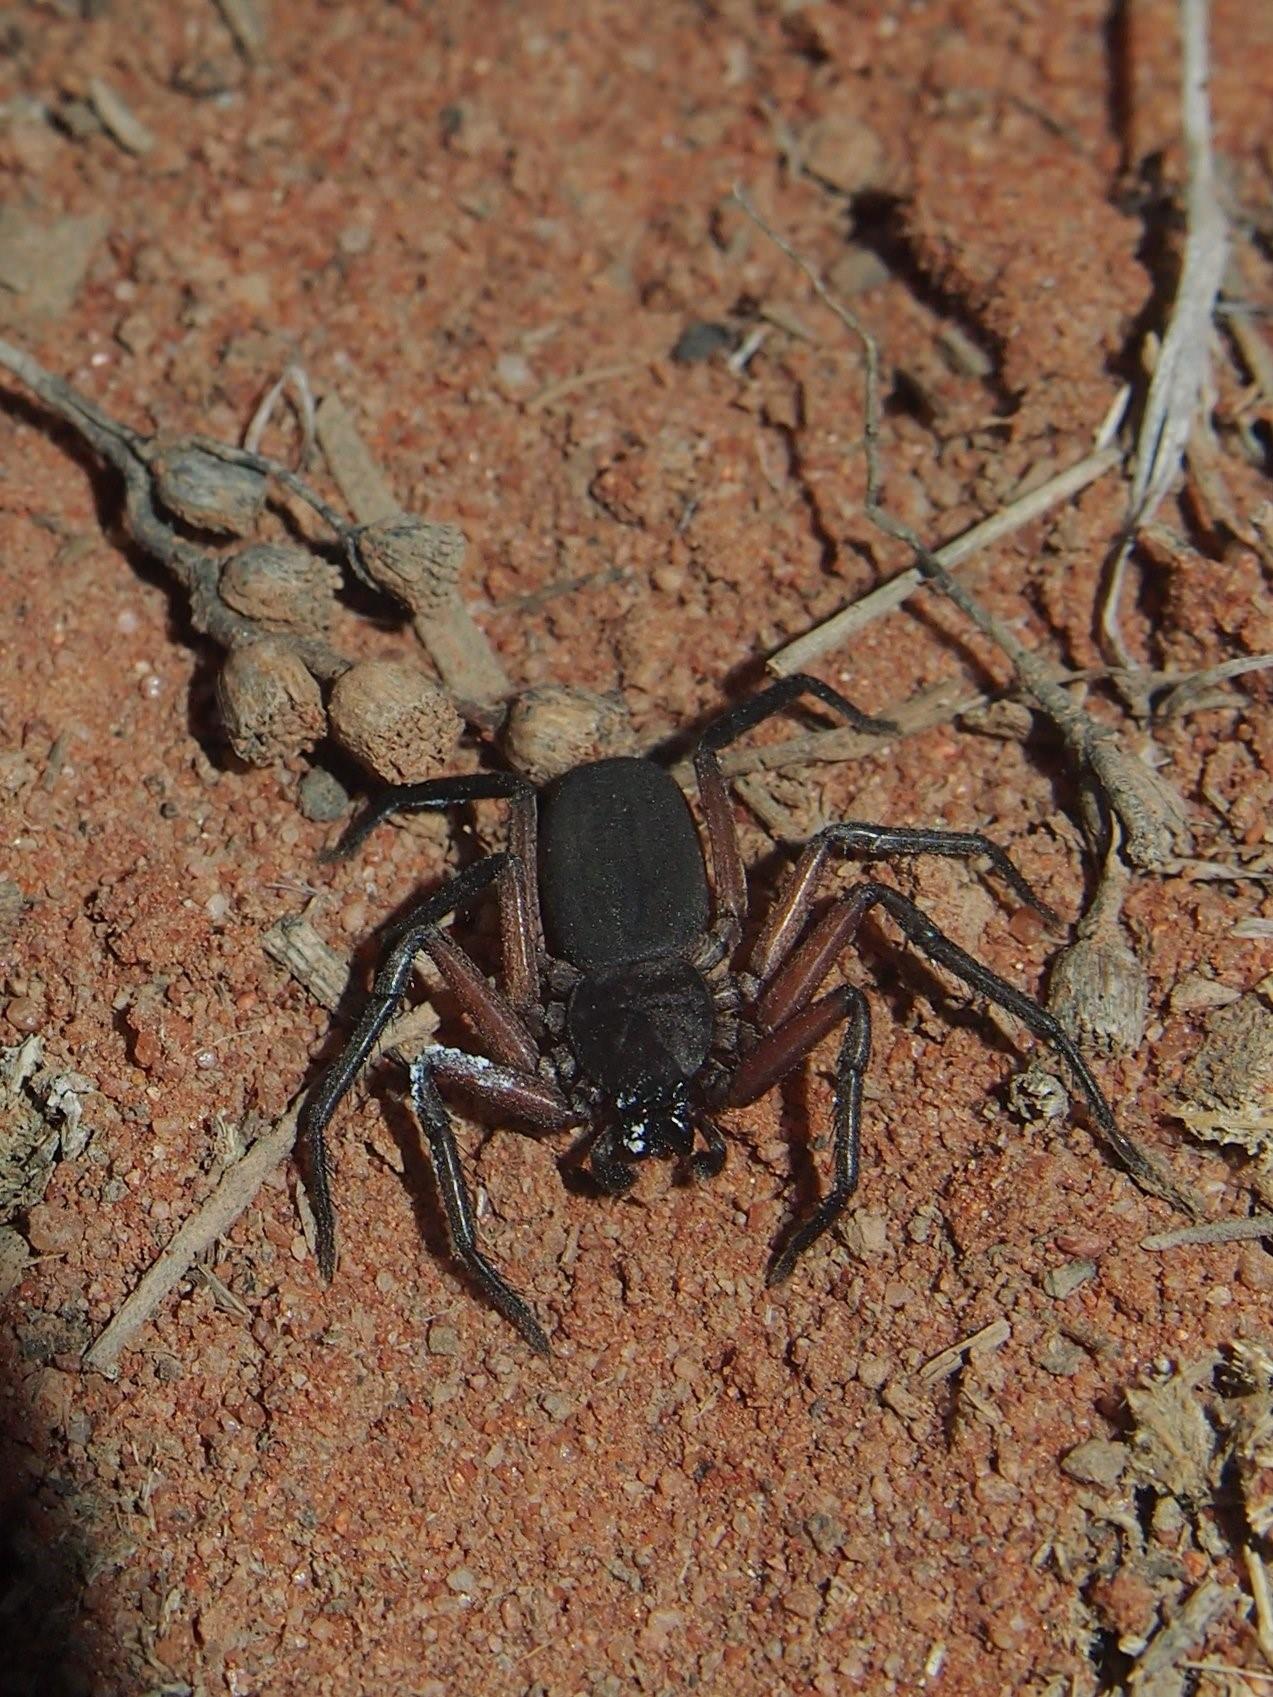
pixel 1099 991
pixel 415 560
pixel 400 724
pixel 278 584
pixel 270 705
pixel 205 490
pixel 551 729
pixel 418 562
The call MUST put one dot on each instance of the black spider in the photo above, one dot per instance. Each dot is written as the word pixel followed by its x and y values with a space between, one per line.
pixel 622 1007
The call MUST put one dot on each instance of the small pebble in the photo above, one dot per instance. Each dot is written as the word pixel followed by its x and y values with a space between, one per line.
pixel 443 1340
pixel 1061 1282
pixel 1096 1462
pixel 322 796
pixel 698 342
pixel 24 1013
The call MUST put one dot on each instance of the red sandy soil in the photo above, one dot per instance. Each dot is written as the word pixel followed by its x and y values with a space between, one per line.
pixel 485 226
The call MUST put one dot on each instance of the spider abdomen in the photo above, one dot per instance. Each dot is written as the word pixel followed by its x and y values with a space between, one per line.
pixel 621 875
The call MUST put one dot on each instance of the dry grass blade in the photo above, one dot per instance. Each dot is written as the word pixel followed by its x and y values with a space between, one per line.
pixel 1180 370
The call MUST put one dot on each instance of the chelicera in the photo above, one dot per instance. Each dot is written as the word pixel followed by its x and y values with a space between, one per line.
pixel 627 1002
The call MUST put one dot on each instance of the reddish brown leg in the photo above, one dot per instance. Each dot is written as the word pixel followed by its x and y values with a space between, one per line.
pixel 532 1099
pixel 869 842
pixel 521 937
pixel 773 1057
pixel 728 875
pixel 507 1092
pixel 493 1016
pixel 803 970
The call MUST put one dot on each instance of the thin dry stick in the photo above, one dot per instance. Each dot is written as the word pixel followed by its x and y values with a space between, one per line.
pixel 131 454
pixel 942 1365
pixel 1180 371
pixel 448 632
pixel 311 961
pixel 1182 697
pixel 1152 815
pixel 1243 1228
pixel 836 630
pixel 1188 1627
pixel 1263 1604
pixel 231 1197
pixel 294 384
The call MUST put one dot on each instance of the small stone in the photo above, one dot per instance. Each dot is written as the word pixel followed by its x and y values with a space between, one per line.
pixel 13 1259
pixel 1060 1356
pixel 52 1230
pixel 845 153
pixel 322 796
pixel 825 1532
pixel 1060 1282
pixel 856 271
pixel 865 1234
pixel 699 342
pixel 443 1340
pixel 804 1601
pixel 1096 1462
pixel 463 1580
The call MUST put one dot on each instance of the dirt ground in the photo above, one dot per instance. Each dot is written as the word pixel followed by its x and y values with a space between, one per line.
pixel 486 227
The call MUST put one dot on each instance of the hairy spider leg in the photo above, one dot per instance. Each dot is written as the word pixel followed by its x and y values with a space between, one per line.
pixel 772 1058
pixel 729 878
pixel 707 1163
pixel 392 977
pixel 869 842
pixel 520 929
pixel 531 1099
pixel 804 969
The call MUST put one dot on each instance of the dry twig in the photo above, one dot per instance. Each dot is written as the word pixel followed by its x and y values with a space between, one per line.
pixel 1180 369
pixel 832 633
pixel 324 974
pixel 418 561
pixel 1244 1228
pixel 1152 815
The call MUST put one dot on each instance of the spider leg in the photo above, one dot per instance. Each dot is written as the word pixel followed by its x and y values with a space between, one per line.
pixel 774 1056
pixel 790 987
pixel 519 896
pixel 870 842
pixel 432 796
pixel 532 1099
pixel 392 977
pixel 504 1091
pixel 728 876
pixel 708 1162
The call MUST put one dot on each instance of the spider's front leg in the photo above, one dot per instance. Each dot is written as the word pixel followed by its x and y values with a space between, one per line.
pixel 777 1052
pixel 530 1099
pixel 387 989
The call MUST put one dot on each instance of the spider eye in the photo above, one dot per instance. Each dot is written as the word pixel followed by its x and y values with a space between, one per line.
pixel 654 1122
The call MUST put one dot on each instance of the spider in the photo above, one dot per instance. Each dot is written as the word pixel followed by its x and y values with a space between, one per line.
pixel 627 1004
